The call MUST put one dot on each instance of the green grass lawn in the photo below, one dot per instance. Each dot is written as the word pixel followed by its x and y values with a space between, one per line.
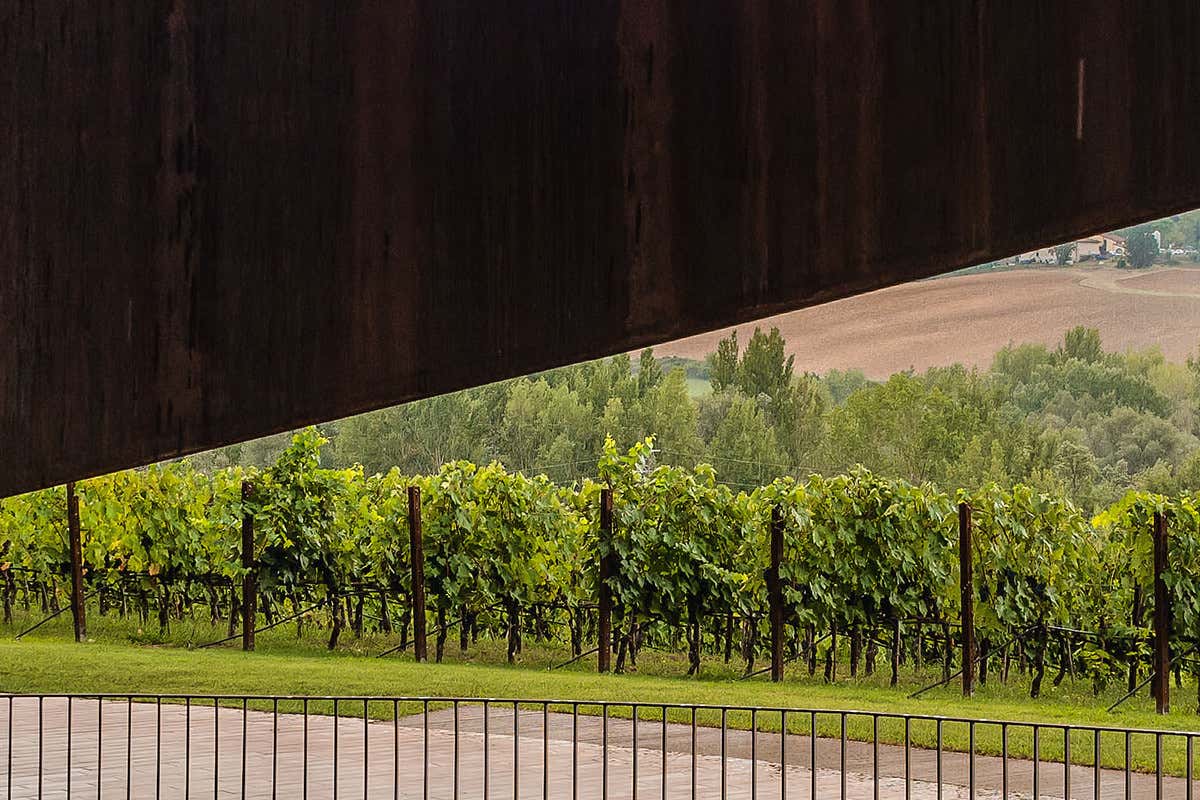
pixel 125 659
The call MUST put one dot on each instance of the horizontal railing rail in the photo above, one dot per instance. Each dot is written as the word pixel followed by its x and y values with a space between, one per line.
pixel 189 745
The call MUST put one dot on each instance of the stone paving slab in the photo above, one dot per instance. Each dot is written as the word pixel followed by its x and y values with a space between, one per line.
pixel 147 751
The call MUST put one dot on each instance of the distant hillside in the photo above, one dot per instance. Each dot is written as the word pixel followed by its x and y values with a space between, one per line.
pixel 965 318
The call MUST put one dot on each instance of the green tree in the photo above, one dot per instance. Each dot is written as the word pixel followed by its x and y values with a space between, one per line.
pixel 723 364
pixel 1064 253
pixel 1141 248
pixel 1082 343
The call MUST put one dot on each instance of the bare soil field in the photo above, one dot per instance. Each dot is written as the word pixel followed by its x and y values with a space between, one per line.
pixel 965 319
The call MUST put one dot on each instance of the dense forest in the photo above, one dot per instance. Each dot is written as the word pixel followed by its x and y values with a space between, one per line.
pixel 1073 420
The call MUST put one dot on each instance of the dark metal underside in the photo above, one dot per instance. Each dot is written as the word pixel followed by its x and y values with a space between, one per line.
pixel 221 219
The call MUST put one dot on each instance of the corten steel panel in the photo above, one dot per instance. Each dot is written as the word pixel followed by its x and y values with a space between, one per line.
pixel 224 218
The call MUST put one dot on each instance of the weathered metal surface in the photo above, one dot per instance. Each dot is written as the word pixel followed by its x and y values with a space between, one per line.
pixel 224 218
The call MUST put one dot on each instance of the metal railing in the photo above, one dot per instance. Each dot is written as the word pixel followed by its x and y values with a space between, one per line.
pixel 160 746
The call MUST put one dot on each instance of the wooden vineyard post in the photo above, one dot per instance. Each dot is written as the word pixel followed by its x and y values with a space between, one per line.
pixel 416 554
pixel 1162 619
pixel 967 593
pixel 775 594
pixel 604 651
pixel 250 578
pixel 78 611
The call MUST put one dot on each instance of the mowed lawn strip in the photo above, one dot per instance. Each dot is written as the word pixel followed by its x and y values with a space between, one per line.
pixel 46 667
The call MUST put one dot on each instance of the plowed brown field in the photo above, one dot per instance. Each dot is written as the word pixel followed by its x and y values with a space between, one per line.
pixel 966 318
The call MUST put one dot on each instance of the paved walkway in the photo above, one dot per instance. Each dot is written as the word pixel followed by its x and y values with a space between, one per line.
pixel 173 752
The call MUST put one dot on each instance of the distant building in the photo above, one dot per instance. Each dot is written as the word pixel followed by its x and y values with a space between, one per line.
pixel 1094 248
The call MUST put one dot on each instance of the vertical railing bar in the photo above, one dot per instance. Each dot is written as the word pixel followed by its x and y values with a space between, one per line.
pixel 305 750
pixel 99 747
pixel 1188 774
pixel 516 751
pixel 40 730
pixel 604 751
pixel 875 755
pixel 1096 764
pixel 1128 771
pixel 907 758
pixel 396 750
pixel 274 747
pixel 486 745
pixel 939 760
pixel 753 754
pixel 635 750
pixel 783 733
pixel 216 747
pixel 8 773
pixel 455 769
pixel 157 748
pixel 366 749
pixel 1158 761
pixel 812 754
pixel 971 760
pixel 1037 761
pixel 187 747
pixel 425 749
pixel 1004 761
pixel 843 756
pixel 336 728
pixel 664 753
pixel 128 748
pixel 1067 761
pixel 69 726
pixel 245 724
pixel 545 751
pixel 724 736
pixel 693 781
pixel 574 752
